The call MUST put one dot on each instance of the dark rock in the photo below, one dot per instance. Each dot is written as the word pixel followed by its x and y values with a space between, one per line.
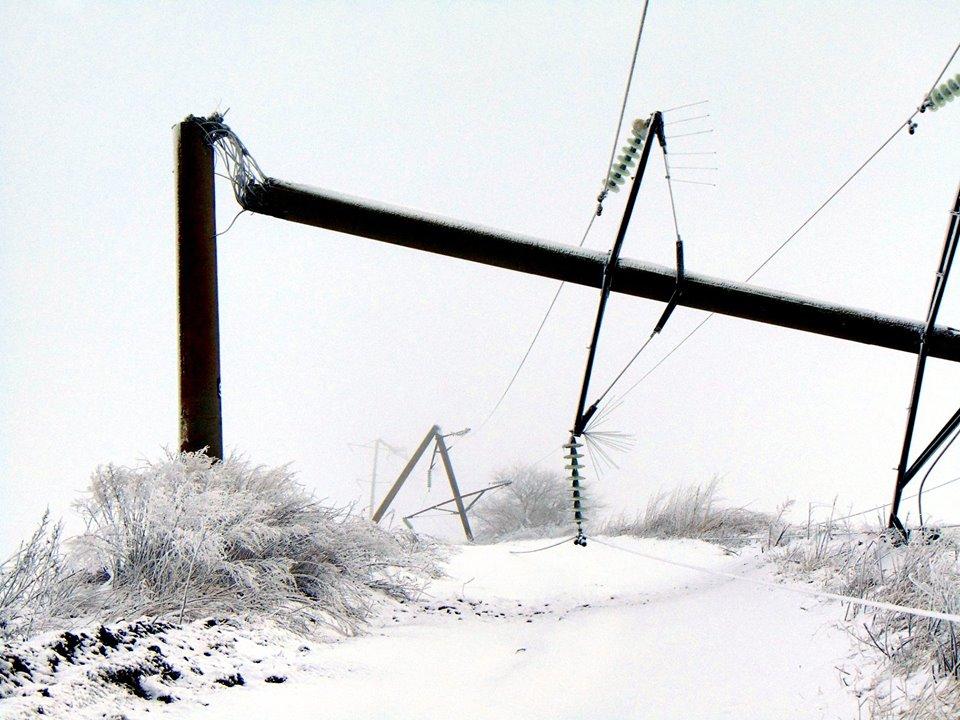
pixel 108 637
pixel 127 677
pixel 231 680
pixel 67 646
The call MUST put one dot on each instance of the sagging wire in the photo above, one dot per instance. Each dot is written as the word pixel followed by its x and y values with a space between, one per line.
pixel 885 505
pixel 586 233
pixel 235 217
pixel 546 547
pixel 853 600
pixel 908 123
pixel 927 474
pixel 533 342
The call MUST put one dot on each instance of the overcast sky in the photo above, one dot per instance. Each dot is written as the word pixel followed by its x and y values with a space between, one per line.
pixel 495 113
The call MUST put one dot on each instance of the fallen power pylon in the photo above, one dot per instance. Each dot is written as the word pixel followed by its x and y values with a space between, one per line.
pixel 200 407
pixel 434 435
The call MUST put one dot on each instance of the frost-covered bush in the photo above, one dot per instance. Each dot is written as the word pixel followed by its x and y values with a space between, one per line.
pixel 537 503
pixel 918 658
pixel 34 582
pixel 187 537
pixel 693 511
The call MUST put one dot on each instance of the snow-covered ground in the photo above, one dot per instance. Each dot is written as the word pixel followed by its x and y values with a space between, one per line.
pixel 565 633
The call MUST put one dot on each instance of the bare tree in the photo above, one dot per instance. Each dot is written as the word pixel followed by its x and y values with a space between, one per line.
pixel 535 504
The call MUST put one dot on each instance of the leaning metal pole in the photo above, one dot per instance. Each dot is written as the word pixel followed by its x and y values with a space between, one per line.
pixel 197 309
pixel 654 132
pixel 906 472
pixel 582 266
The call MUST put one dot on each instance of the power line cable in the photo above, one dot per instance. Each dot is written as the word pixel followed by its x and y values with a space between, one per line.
pixel 906 124
pixel 863 602
pixel 927 474
pixel 541 549
pixel 886 505
pixel 583 239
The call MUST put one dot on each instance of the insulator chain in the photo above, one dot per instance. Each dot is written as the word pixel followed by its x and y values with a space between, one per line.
pixel 622 166
pixel 575 466
pixel 948 91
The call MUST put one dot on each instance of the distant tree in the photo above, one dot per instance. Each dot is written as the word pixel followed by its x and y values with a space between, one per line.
pixel 537 503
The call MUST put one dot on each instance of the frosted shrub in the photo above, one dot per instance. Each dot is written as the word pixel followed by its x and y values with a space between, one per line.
pixel 691 512
pixel 34 582
pixel 189 536
pixel 537 503
pixel 919 675
pixel 186 537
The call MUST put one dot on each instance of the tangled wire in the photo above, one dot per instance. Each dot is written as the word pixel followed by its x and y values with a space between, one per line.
pixel 243 172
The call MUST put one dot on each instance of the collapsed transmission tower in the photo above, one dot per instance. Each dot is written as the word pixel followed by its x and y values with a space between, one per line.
pixel 199 139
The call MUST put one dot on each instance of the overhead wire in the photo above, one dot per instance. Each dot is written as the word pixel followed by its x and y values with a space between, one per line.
pixel 541 549
pixel 907 123
pixel 863 602
pixel 583 239
pixel 885 505
pixel 927 475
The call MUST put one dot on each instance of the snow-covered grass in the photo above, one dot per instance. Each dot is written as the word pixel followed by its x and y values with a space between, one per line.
pixel 910 666
pixel 693 511
pixel 194 576
pixel 34 583
pixel 186 537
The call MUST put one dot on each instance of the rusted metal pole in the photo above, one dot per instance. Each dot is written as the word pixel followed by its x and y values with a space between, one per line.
pixel 201 424
pixel 581 266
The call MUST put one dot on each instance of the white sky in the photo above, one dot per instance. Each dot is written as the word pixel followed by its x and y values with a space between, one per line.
pixel 496 113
